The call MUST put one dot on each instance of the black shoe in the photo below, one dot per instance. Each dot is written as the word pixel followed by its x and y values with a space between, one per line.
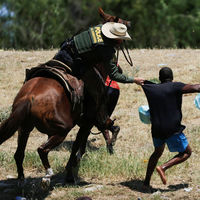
pixel 115 130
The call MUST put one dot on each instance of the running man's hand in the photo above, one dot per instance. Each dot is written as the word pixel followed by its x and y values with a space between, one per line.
pixel 139 81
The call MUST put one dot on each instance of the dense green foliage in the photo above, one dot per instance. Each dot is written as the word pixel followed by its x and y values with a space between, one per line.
pixel 36 24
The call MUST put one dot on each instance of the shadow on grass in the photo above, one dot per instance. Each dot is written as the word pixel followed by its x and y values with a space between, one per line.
pixel 137 185
pixel 32 188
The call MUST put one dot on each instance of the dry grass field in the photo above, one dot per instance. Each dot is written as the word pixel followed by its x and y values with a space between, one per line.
pixel 105 177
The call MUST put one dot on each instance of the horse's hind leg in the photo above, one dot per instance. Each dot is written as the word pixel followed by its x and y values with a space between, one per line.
pixel 23 136
pixel 8 128
pixel 16 118
pixel 43 150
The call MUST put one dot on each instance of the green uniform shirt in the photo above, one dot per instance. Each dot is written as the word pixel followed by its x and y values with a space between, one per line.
pixel 94 48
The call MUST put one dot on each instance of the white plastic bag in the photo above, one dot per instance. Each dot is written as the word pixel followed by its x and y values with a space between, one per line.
pixel 197 101
pixel 144 114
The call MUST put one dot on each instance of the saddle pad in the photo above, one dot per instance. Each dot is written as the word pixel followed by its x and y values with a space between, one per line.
pixel 71 84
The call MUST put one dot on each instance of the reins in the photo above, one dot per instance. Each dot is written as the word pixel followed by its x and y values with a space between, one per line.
pixel 95 133
pixel 128 59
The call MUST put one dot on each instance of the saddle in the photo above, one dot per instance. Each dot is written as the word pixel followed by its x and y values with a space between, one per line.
pixel 63 74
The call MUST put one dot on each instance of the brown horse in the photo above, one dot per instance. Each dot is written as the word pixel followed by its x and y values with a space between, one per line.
pixel 43 103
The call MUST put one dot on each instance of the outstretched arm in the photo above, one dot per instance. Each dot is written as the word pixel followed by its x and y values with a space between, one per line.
pixel 116 75
pixel 139 81
pixel 189 88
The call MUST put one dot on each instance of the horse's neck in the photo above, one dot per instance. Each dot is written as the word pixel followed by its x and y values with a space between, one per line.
pixel 102 71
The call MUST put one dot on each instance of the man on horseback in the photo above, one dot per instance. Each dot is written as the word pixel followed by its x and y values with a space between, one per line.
pixel 88 49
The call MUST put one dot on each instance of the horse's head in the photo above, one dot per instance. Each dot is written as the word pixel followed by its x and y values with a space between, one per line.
pixel 109 18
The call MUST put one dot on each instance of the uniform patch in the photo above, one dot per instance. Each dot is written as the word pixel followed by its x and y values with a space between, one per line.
pixel 96 34
pixel 86 40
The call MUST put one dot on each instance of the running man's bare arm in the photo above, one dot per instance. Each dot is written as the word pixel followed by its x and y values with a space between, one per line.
pixel 189 88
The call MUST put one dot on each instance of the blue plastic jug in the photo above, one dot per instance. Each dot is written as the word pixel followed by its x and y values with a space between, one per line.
pixel 197 101
pixel 144 114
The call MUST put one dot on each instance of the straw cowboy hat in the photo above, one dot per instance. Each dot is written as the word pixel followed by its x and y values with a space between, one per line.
pixel 115 30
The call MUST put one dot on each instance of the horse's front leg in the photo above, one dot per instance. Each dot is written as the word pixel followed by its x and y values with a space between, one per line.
pixel 78 149
pixel 108 141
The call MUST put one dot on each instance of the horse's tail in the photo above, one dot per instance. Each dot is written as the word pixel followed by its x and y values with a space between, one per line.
pixel 16 118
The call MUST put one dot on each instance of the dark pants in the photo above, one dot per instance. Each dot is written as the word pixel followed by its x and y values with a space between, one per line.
pixel 113 96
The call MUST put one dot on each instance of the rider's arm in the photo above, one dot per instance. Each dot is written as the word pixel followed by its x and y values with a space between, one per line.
pixel 115 75
pixel 107 55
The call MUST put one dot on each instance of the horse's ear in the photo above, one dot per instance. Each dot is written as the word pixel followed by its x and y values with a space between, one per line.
pixel 106 17
pixel 101 13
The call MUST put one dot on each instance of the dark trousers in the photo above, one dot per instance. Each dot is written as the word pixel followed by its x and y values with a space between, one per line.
pixel 113 96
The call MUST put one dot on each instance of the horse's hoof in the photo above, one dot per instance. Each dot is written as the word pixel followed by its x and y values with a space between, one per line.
pixel 70 179
pixel 49 173
pixel 45 183
pixel 20 177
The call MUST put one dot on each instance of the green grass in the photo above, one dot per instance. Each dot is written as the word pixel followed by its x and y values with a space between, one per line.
pixel 97 164
pixel 32 160
pixel 102 165
pixel 193 134
pixel 4 113
pixel 72 194
pixel 6 160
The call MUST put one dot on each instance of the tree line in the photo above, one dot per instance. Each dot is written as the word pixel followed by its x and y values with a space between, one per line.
pixel 34 24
